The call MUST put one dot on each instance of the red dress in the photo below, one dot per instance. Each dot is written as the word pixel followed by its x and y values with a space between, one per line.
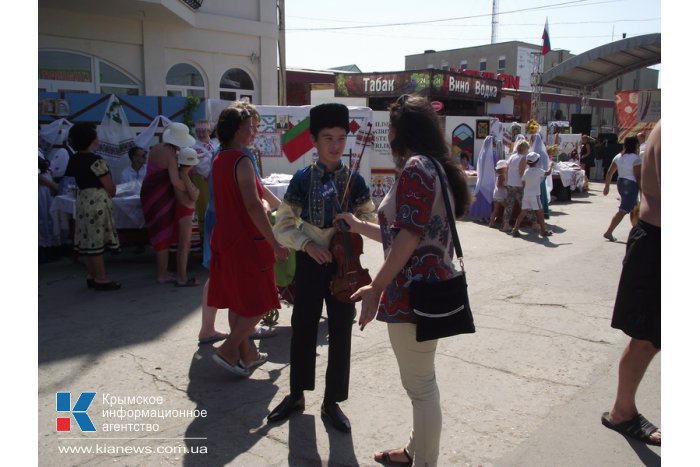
pixel 241 274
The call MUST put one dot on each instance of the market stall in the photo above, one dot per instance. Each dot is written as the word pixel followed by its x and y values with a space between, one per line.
pixel 567 177
pixel 126 206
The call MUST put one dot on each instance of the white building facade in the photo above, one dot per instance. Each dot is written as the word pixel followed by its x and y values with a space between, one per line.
pixel 213 49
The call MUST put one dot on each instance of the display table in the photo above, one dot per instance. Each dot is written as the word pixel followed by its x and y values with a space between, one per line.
pixel 277 184
pixel 126 210
pixel 567 177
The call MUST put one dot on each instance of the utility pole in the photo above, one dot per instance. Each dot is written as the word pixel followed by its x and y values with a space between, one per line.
pixel 536 83
pixel 282 76
pixel 494 22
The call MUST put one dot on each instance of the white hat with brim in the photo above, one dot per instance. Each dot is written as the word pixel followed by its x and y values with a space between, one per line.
pixel 533 157
pixel 178 135
pixel 502 164
pixel 187 156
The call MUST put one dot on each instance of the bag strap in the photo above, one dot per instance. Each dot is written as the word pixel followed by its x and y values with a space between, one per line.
pixel 450 215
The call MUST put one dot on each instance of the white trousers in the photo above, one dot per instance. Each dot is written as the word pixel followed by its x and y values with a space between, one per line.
pixel 417 368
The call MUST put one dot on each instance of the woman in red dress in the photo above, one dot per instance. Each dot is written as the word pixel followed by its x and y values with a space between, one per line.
pixel 243 247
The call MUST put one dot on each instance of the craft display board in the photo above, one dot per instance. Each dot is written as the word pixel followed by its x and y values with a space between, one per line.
pixel 281 131
pixel 277 121
pixel 569 146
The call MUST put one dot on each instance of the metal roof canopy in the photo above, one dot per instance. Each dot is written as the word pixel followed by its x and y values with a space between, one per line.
pixel 597 66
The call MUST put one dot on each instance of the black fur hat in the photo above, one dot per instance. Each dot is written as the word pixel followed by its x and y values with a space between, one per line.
pixel 329 115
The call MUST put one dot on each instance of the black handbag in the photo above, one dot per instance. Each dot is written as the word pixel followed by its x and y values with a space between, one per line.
pixel 442 307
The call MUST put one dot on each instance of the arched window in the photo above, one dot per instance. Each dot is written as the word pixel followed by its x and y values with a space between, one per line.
pixel 236 84
pixel 72 72
pixel 185 80
pixel 463 143
pixel 113 81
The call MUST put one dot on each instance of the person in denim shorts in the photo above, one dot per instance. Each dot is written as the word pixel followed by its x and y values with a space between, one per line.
pixel 629 165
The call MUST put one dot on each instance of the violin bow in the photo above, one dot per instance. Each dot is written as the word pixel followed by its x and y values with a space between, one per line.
pixel 362 139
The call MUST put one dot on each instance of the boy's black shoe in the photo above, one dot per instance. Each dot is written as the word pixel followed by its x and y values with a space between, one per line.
pixel 286 408
pixel 335 416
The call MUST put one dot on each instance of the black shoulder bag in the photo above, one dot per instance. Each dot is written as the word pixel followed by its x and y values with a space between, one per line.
pixel 442 307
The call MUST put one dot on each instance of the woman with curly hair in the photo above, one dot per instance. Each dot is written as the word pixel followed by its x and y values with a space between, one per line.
pixel 415 232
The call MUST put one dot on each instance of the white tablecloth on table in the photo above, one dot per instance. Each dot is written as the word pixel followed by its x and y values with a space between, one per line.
pixel 126 210
pixel 571 175
pixel 126 207
pixel 277 184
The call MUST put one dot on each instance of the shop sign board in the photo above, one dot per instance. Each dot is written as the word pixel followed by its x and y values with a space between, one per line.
pixel 436 83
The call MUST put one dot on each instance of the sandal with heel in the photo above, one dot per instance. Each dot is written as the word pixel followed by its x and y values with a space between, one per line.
pixel 384 458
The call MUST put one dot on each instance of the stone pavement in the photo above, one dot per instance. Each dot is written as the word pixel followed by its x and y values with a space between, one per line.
pixel 527 389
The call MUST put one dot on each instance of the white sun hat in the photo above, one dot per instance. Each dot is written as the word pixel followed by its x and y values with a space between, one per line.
pixel 178 135
pixel 187 156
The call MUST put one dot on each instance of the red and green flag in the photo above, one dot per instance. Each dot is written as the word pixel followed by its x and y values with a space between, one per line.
pixel 297 140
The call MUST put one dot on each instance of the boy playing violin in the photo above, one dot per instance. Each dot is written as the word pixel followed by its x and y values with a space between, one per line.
pixel 305 223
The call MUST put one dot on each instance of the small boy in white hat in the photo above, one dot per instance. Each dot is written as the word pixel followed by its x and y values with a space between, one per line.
pixel 499 192
pixel 532 178
pixel 184 208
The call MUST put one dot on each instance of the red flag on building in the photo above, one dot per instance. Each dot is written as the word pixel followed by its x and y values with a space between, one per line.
pixel 546 46
pixel 297 140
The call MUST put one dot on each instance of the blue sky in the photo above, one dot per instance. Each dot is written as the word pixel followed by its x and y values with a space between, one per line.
pixel 574 25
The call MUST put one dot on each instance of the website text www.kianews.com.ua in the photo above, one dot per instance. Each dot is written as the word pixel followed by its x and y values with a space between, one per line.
pixel 102 448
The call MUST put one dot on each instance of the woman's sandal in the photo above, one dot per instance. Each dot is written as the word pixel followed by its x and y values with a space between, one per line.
pixel 239 369
pixel 261 358
pixel 384 458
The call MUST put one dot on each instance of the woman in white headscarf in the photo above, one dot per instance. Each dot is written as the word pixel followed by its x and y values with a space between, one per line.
pixel 485 181
pixel 547 184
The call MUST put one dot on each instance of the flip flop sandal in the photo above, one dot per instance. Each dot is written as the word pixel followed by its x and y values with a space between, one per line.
pixel 262 358
pixel 219 336
pixel 638 427
pixel 238 369
pixel 611 238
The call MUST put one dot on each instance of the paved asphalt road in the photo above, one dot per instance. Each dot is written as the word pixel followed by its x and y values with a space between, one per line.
pixel 527 389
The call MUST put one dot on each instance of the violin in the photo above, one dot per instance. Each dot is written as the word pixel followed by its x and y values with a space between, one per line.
pixel 346 248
